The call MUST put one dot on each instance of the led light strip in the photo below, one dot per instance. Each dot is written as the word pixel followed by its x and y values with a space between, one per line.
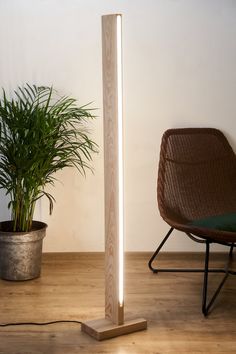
pixel 120 162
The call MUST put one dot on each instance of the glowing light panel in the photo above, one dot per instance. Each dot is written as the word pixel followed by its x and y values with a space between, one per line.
pixel 120 162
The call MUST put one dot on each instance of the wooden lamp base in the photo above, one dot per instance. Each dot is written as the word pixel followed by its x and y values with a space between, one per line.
pixel 104 329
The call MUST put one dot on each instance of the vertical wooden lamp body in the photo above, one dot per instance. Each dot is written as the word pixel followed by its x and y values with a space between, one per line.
pixel 113 324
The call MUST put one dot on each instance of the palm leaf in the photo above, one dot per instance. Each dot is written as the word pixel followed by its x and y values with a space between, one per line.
pixel 40 133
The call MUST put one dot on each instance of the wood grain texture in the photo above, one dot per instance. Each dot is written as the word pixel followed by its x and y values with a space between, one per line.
pixel 72 287
pixel 104 329
pixel 113 311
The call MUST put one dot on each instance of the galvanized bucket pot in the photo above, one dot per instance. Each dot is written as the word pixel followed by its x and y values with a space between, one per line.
pixel 21 252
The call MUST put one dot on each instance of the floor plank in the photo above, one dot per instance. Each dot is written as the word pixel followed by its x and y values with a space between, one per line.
pixel 72 287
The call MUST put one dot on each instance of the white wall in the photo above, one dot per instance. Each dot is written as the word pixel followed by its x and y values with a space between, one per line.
pixel 179 71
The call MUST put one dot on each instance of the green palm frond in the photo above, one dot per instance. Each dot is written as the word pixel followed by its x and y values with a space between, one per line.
pixel 40 133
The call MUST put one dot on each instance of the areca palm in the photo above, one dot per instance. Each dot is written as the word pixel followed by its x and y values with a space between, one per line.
pixel 40 133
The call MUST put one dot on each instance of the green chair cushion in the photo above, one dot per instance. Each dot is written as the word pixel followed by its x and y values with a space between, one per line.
pixel 225 222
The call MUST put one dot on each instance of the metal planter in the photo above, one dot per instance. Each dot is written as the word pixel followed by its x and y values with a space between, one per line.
pixel 21 252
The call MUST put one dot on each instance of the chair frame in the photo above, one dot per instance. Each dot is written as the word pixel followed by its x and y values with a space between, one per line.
pixel 206 304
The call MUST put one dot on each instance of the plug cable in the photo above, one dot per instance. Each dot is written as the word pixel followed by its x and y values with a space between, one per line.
pixel 38 323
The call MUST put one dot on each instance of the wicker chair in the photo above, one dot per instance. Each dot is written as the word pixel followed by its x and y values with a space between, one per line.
pixel 197 180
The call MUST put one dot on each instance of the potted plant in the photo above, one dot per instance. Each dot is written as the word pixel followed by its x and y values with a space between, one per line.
pixel 40 133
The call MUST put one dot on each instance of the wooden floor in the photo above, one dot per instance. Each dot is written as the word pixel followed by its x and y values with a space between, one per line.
pixel 71 287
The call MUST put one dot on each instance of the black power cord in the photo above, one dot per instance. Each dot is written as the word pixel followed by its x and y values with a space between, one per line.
pixel 38 323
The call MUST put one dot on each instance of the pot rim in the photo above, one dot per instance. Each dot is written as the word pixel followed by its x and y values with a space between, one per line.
pixel 37 226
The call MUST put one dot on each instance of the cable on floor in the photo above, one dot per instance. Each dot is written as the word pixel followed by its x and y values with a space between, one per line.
pixel 38 323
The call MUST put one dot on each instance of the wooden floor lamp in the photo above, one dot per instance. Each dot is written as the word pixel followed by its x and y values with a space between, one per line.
pixel 114 323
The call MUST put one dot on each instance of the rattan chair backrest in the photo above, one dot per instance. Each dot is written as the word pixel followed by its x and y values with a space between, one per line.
pixel 196 176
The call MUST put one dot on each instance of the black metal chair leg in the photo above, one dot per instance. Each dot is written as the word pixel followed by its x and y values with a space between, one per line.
pixel 231 250
pixel 226 271
pixel 158 250
pixel 205 281
pixel 206 307
pixel 180 270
